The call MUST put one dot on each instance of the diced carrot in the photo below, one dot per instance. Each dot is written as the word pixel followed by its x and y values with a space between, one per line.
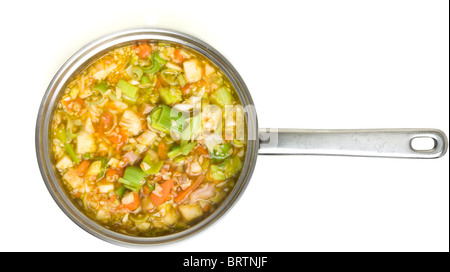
pixel 81 169
pixel 182 195
pixel 113 198
pixel 146 190
pixel 107 119
pixel 162 151
pixel 186 88
pixel 177 56
pixel 113 174
pixel 143 50
pixel 202 150
pixel 132 205
pixel 206 207
pixel 166 187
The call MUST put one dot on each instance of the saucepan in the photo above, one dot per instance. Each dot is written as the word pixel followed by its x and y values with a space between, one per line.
pixel 360 142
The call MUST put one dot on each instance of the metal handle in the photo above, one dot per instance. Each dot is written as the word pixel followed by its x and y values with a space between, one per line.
pixel 392 143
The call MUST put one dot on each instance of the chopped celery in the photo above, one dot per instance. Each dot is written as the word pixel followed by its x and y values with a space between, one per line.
pixel 71 152
pixel 151 166
pixel 170 76
pixel 128 90
pixel 222 97
pixel 171 95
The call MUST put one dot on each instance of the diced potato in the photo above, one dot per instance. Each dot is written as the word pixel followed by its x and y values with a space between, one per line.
pixel 113 162
pixel 131 122
pixel 106 188
pixel 94 168
pixel 72 179
pixel 143 226
pixel 146 138
pixel 64 163
pixel 88 127
pixel 192 70
pixel 170 216
pixel 209 70
pixel 85 143
pixel 190 211
pixel 173 66
pixel 102 74
pixel 103 215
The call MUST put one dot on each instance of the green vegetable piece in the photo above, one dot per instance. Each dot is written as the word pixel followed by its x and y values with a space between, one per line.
pixel 120 191
pixel 138 71
pixel 171 95
pixel 101 87
pixel 222 97
pixel 71 152
pixel 154 68
pixel 227 169
pixel 170 76
pixel 132 178
pixel 150 166
pixel 181 150
pixel 221 151
pixel 160 59
pixel 128 90
pixel 104 165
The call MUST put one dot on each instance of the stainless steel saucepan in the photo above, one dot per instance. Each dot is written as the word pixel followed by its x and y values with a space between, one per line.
pixel 371 143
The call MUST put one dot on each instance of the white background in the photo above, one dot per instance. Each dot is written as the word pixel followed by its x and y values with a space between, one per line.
pixel 308 64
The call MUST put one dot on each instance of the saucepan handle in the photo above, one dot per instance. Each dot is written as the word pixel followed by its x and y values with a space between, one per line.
pixel 391 143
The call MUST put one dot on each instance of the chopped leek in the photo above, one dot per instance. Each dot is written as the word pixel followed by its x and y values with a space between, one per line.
pixel 161 119
pixel 171 95
pixel 74 128
pixel 145 80
pixel 104 165
pixel 181 150
pixel 62 135
pixel 194 128
pixel 96 98
pixel 120 191
pixel 128 90
pixel 150 166
pixel 170 76
pixel 222 97
pixel 226 169
pixel 160 59
pixel 71 152
pixel 138 72
pixel 151 186
pixel 154 68
pixel 132 178
pixel 101 87
pixel 181 80
pixel 221 151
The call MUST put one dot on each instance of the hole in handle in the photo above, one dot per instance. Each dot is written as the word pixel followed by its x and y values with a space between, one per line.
pixel 423 144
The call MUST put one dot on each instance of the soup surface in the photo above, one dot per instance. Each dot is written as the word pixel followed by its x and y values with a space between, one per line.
pixel 149 139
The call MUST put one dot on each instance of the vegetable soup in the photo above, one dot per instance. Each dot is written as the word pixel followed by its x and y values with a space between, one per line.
pixel 149 139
